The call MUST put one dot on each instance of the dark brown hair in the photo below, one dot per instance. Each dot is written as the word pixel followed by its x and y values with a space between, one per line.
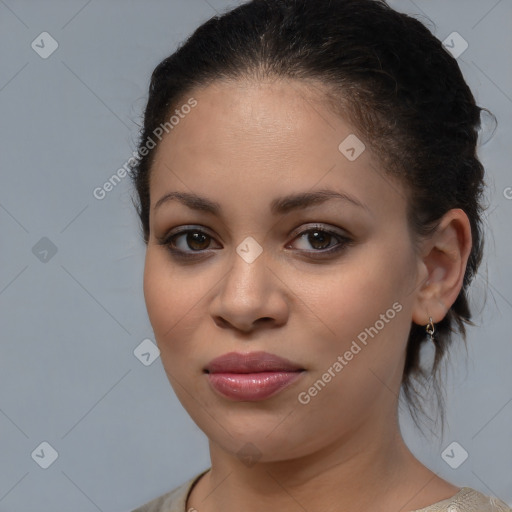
pixel 402 90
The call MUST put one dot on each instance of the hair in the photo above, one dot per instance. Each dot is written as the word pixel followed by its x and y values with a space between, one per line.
pixel 402 90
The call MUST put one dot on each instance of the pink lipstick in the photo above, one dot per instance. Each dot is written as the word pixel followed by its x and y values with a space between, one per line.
pixel 251 377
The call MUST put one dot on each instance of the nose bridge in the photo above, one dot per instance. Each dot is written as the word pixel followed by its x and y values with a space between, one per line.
pixel 248 275
pixel 249 291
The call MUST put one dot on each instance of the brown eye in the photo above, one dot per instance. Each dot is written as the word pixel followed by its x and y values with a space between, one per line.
pixel 197 240
pixel 188 243
pixel 189 240
pixel 320 240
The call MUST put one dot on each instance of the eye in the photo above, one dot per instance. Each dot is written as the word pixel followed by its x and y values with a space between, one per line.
pixel 186 242
pixel 321 240
pixel 191 242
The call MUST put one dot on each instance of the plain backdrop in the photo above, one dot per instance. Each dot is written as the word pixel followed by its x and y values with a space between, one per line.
pixel 72 310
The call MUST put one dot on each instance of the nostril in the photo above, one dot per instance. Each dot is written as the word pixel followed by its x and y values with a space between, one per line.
pixel 220 322
pixel 265 320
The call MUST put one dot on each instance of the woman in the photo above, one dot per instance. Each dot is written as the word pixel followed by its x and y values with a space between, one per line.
pixel 309 194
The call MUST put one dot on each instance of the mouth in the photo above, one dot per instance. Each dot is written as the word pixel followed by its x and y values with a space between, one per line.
pixel 251 377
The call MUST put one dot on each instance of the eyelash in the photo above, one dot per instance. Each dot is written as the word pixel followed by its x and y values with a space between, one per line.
pixel 168 240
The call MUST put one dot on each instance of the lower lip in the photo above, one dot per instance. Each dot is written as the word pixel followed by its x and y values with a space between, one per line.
pixel 251 387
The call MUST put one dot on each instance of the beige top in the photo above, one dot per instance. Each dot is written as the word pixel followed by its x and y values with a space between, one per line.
pixel 466 500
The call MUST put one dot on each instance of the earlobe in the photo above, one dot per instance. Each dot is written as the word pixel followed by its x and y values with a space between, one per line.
pixel 445 261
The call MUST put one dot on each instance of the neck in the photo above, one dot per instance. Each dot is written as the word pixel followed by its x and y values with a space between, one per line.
pixel 368 467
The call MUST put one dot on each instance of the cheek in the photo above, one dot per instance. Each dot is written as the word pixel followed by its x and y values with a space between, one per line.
pixel 353 296
pixel 157 292
pixel 176 300
pixel 173 304
pixel 165 293
pixel 364 302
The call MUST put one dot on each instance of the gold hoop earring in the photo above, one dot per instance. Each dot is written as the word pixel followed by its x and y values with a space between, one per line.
pixel 430 329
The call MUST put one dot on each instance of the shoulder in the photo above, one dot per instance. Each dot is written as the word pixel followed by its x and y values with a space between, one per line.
pixel 172 501
pixel 468 500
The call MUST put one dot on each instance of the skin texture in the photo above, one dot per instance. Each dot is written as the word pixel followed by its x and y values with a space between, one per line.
pixel 245 144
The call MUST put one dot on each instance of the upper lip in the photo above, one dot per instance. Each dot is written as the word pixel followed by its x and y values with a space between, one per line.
pixel 252 362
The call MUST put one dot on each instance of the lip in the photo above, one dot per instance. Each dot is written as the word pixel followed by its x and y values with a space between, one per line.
pixel 251 362
pixel 251 377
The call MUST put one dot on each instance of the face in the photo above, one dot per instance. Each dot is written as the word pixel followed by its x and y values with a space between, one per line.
pixel 253 258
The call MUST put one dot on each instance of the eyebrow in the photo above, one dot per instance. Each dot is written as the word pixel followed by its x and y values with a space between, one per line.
pixel 279 206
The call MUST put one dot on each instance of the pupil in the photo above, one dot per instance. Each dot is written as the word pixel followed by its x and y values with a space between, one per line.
pixel 320 236
pixel 196 238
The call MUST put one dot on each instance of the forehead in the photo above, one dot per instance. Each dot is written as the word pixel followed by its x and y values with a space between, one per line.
pixel 248 140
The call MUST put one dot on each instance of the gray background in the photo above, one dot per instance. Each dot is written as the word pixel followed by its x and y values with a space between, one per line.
pixel 70 321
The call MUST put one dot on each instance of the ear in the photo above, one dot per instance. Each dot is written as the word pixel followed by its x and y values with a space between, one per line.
pixel 442 266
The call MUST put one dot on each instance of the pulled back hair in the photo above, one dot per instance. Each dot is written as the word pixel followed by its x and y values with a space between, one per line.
pixel 403 92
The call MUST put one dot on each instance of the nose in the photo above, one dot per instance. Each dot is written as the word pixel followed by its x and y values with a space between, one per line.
pixel 251 296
